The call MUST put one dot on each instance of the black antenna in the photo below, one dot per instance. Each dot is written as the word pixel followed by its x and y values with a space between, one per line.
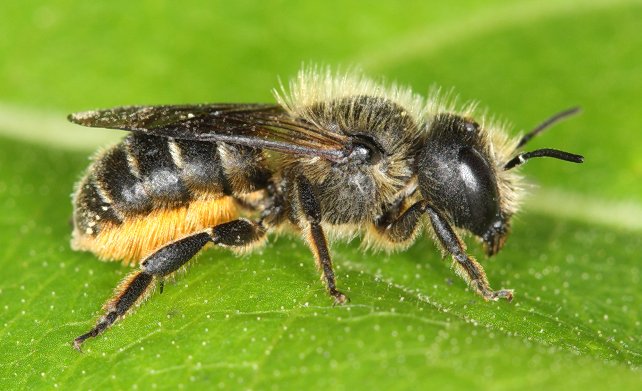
pixel 546 152
pixel 547 124
pixel 523 157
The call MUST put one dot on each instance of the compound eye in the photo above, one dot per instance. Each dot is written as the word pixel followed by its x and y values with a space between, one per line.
pixel 366 149
pixel 480 190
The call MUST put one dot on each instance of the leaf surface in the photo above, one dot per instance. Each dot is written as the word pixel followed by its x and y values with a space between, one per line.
pixel 263 321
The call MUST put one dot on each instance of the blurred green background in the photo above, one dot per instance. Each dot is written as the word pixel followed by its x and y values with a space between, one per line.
pixel 263 321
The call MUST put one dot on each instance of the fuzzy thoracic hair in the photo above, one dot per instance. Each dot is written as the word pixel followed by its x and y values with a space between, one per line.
pixel 314 85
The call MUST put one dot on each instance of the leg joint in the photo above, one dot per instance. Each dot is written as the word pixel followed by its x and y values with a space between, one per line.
pixel 237 233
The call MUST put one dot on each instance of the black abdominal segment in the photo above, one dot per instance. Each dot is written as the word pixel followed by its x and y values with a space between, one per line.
pixel 95 208
pixel 151 161
pixel 119 185
pixel 201 166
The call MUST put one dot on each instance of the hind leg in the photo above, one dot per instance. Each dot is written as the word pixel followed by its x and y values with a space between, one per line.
pixel 166 260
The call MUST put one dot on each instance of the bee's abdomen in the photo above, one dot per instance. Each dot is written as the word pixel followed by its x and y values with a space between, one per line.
pixel 157 189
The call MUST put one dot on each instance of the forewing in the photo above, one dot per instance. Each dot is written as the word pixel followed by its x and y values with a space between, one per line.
pixel 254 125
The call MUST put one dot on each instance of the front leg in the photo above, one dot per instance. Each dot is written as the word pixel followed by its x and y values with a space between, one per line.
pixel 467 267
pixel 405 226
pixel 311 225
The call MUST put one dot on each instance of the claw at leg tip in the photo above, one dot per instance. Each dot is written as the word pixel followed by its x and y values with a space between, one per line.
pixel 340 299
pixel 77 344
pixel 508 295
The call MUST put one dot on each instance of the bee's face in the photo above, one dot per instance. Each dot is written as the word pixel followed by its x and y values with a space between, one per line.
pixel 457 175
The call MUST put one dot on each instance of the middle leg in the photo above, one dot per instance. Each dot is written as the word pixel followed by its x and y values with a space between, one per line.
pixel 311 224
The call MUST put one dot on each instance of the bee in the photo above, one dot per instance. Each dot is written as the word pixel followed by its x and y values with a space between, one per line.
pixel 338 155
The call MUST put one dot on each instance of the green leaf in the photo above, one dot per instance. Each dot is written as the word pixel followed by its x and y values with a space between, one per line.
pixel 264 321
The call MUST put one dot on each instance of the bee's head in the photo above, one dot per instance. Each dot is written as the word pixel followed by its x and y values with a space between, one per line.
pixel 458 176
pixel 464 171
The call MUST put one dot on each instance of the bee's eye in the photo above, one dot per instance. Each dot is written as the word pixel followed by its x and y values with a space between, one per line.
pixel 479 191
pixel 366 149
